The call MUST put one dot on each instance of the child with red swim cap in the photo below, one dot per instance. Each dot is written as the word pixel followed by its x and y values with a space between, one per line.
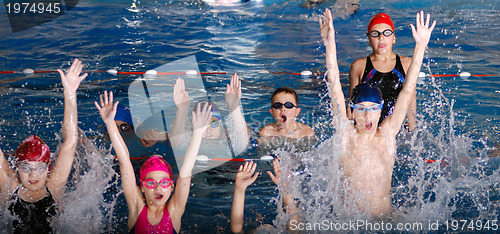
pixel 29 191
pixel 153 207
pixel 382 67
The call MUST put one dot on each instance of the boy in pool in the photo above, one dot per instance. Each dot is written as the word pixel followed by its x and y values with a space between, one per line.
pixel 158 210
pixel 30 192
pixel 284 109
pixel 369 149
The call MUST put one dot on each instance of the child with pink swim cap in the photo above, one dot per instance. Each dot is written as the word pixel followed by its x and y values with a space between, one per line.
pixel 158 210
pixel 30 192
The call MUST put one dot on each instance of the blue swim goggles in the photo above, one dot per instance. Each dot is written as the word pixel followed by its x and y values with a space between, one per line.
pixel 215 123
pixel 361 108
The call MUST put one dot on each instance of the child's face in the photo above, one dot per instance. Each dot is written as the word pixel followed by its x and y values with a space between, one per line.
pixel 284 115
pixel 367 121
pixel 213 130
pixel 382 44
pixel 33 175
pixel 158 195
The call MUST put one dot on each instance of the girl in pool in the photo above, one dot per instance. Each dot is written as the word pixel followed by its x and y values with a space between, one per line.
pixel 382 67
pixel 157 211
pixel 30 192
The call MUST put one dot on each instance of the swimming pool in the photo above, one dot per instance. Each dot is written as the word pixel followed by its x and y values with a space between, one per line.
pixel 459 116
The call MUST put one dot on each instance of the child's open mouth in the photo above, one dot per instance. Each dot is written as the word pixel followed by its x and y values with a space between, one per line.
pixel 158 196
pixel 283 118
pixel 33 181
pixel 368 125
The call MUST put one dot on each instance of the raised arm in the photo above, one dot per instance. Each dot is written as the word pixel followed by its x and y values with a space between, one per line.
pixel 244 178
pixel 328 35
pixel 59 174
pixel 182 101
pixel 133 195
pixel 239 133
pixel 421 34
pixel 201 120
pixel 288 201
pixel 7 177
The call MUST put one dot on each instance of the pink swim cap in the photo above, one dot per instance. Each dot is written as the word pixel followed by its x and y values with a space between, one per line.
pixel 33 149
pixel 380 18
pixel 155 163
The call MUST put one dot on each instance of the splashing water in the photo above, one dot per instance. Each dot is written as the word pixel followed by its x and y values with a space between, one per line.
pixel 88 199
pixel 440 174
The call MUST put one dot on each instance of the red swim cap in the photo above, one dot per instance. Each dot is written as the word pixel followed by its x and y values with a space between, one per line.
pixel 155 163
pixel 380 18
pixel 33 150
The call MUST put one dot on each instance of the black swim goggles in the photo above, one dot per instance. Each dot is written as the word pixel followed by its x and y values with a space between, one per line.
pixel 375 33
pixel 288 105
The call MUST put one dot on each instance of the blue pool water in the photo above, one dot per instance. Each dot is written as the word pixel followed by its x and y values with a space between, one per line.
pixel 459 118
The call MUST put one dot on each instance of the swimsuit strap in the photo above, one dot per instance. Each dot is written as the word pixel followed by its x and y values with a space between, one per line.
pixel 398 69
pixel 368 69
pixel 399 66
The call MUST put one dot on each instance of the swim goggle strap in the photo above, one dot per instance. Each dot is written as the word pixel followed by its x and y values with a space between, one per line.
pixel 375 33
pixel 288 105
pixel 152 183
pixel 361 108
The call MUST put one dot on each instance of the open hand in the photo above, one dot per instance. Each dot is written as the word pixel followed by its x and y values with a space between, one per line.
pixel 201 117
pixel 277 170
pixel 422 33
pixel 327 29
pixel 71 80
pixel 181 97
pixel 245 176
pixel 233 92
pixel 107 109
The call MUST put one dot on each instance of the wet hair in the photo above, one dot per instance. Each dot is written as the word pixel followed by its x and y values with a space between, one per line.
pixel 286 90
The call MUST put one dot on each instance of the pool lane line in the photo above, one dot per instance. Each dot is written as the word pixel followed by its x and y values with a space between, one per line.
pixel 153 73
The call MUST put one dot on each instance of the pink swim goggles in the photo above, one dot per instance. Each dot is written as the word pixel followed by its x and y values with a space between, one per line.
pixel 152 183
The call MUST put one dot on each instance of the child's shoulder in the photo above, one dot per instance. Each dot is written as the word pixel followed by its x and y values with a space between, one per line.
pixel 305 130
pixel 359 62
pixel 267 130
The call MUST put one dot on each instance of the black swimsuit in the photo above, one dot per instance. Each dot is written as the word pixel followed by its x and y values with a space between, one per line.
pixel 390 84
pixel 32 217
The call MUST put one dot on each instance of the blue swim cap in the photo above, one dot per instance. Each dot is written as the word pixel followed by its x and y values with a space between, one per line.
pixel 123 114
pixel 365 92
pixel 215 108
